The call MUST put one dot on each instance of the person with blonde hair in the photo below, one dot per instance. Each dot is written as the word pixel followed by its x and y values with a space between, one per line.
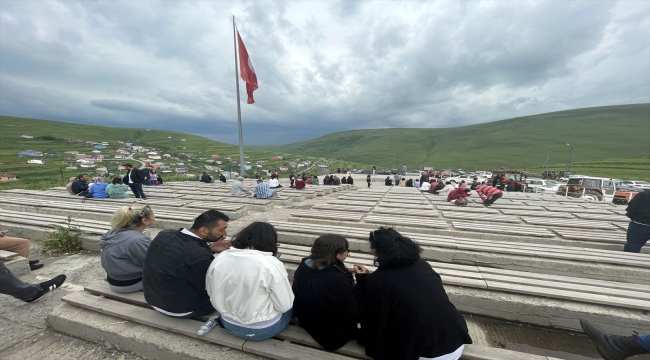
pixel 68 186
pixel 124 247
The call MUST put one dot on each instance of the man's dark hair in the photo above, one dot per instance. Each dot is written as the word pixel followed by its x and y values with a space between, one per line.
pixel 259 235
pixel 392 249
pixel 259 181
pixel 209 219
pixel 81 175
pixel 117 180
pixel 128 165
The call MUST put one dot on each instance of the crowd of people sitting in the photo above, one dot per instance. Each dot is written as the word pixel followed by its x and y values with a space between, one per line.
pixel 191 272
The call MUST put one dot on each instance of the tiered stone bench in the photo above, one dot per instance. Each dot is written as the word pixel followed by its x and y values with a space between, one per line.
pixel 542 258
pixel 102 304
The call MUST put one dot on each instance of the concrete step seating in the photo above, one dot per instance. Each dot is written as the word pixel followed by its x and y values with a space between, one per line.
pixel 292 343
pixel 45 220
pixel 90 207
pixel 602 236
pixel 397 205
pixel 614 218
pixel 573 223
pixel 539 212
pixel 480 217
pixel 233 210
pixel 550 259
pixel 363 209
pixel 503 229
pixel 405 221
pixel 335 215
pixel 421 213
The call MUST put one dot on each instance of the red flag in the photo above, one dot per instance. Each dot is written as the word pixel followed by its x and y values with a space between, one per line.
pixel 246 70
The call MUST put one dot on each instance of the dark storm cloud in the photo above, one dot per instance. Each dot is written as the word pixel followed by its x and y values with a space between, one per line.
pixel 322 66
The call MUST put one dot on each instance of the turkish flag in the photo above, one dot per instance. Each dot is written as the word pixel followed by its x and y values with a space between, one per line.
pixel 246 70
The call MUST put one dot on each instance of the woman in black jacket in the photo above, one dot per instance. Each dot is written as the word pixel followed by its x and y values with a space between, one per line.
pixel 325 300
pixel 407 314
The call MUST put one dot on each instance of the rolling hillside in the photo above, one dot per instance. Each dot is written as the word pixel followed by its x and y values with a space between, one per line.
pixel 48 138
pixel 611 132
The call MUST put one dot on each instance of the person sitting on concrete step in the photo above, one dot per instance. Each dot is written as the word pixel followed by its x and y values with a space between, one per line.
pixel 116 189
pixel 409 183
pixel 238 187
pixel 446 189
pixel 19 246
pixel 125 246
pixel 613 347
pixel 173 275
pixel 405 303
pixel 206 178
pixel 388 181
pixel 249 286
pixel 262 190
pixel 315 181
pixel 326 301
pixel 425 187
pixel 13 286
pixel 98 189
pixel 457 196
pixel 416 183
pixel 68 186
pixel 274 182
pixel 439 185
pixel 80 186
pixel 299 183
pixel 336 180
pixel 350 180
pixel 344 179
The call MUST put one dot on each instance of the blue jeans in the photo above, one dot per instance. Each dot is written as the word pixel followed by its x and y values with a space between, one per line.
pixel 137 190
pixel 11 285
pixel 258 334
pixel 644 341
pixel 637 236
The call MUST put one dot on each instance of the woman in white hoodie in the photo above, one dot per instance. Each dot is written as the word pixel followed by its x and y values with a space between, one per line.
pixel 249 286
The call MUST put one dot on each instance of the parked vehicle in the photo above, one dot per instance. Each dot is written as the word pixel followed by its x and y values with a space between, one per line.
pixel 589 188
pixel 541 185
pixel 644 185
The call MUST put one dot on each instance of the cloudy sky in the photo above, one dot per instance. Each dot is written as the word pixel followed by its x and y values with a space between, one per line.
pixel 323 66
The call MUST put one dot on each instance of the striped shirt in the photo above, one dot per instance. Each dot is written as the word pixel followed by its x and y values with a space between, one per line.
pixel 485 191
pixel 263 191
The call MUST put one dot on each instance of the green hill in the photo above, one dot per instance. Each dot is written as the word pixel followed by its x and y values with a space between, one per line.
pixel 48 137
pixel 610 132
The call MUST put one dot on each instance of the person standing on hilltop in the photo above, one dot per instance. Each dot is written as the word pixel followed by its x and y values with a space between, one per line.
pixel 134 179
pixel 404 169
pixel 374 170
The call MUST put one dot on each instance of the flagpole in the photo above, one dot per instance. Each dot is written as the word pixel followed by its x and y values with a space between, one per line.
pixel 242 166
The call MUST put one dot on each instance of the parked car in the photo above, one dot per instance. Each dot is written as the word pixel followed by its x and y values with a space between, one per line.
pixel 363 172
pixel 635 184
pixel 541 185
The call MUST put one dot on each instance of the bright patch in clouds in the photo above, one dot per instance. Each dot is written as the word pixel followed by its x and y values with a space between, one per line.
pixel 322 66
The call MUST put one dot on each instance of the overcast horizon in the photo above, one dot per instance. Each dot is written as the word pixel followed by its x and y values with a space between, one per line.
pixel 322 66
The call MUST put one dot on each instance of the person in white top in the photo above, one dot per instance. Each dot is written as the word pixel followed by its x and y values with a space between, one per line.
pixel 274 182
pixel 425 186
pixel 249 286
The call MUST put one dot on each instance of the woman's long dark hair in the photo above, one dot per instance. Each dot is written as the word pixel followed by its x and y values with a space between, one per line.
pixel 258 235
pixel 325 249
pixel 392 249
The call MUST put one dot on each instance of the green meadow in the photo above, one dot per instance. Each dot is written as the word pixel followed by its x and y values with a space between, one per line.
pixel 611 132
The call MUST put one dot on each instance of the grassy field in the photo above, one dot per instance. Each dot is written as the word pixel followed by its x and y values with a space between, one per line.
pixel 48 138
pixel 628 169
pixel 620 132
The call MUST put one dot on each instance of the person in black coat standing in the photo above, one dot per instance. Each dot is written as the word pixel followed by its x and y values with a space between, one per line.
pixel 325 294
pixel 638 231
pixel 134 179
pixel 407 314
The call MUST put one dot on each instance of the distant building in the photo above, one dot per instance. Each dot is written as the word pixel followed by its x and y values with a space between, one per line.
pixel 137 148
pixel 82 156
pixel 284 168
pixel 35 161
pixel 216 156
pixel 30 153
pixel 167 155
pixel 26 136
pixel 275 158
pixel 119 156
pixel 71 153
pixel 7 177
pixel 181 170
pixel 183 140
pixel 100 146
